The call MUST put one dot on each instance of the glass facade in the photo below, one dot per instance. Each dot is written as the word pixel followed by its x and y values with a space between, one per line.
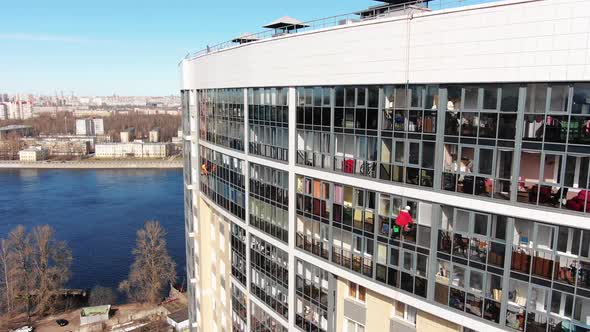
pixel 221 115
pixel 260 321
pixel 239 312
pixel 269 275
pixel 268 118
pixel 238 253
pixel 311 303
pixel 471 258
pixel 522 145
pixel 269 201
pixel 554 157
pixel 314 121
pixel 223 181
pixel 395 133
pixel 480 135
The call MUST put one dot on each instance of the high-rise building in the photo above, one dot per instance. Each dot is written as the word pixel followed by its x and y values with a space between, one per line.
pixel 90 127
pixel 98 125
pixel 154 135
pixel 84 127
pixel 403 169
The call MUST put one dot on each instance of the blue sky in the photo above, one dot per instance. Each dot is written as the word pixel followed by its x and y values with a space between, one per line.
pixel 126 47
pixel 130 47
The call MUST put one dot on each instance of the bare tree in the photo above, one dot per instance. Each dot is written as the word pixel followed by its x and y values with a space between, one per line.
pixel 51 266
pixel 20 257
pixel 153 269
pixel 102 295
pixel 5 285
pixel 38 267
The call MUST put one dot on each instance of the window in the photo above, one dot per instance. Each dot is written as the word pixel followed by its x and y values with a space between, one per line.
pixel 356 292
pixel 269 200
pixel 269 275
pixel 314 106
pixel 224 180
pixel 352 326
pixel 221 114
pixel 405 312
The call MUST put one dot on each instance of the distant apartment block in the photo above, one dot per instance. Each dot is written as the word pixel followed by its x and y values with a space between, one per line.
pixel 154 135
pixel 89 127
pixel 133 150
pixel 33 154
pixel 402 168
pixel 98 126
pixel 127 135
pixel 3 111
pixel 84 127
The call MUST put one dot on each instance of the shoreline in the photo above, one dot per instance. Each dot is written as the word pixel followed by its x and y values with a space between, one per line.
pixel 95 164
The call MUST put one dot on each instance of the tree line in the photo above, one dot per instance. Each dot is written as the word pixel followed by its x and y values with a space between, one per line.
pixel 59 123
pixel 35 269
pixel 143 123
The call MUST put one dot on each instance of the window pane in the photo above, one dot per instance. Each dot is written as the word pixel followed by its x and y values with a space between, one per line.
pixel 509 98
pixel 486 161
pixel 490 98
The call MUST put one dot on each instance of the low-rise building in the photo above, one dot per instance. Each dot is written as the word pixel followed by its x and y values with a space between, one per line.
pixel 18 130
pixel 136 149
pixel 179 320
pixel 61 146
pixel 33 154
pixel 91 315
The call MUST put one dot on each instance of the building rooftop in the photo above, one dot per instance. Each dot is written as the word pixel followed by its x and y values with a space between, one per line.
pixel 34 148
pixel 179 316
pixel 290 25
pixel 286 23
pixel 98 310
pixel 14 127
pixel 401 2
pixel 246 37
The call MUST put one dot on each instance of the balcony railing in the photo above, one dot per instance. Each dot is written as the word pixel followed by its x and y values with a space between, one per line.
pixel 343 19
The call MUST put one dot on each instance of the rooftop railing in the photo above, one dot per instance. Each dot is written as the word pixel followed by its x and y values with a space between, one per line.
pixel 339 20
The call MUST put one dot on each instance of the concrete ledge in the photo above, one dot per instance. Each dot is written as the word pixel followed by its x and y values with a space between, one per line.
pixel 397 325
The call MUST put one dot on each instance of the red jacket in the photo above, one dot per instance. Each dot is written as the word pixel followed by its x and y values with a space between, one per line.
pixel 403 219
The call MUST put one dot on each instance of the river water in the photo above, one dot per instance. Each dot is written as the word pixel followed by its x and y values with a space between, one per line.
pixel 98 213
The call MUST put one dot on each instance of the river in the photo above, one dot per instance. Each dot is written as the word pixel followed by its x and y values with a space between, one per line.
pixel 98 213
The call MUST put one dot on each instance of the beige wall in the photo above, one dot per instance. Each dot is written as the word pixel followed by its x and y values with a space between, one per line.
pixel 341 293
pixel 379 310
pixel 213 309
pixel 428 323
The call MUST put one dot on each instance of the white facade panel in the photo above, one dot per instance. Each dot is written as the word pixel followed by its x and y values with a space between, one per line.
pixel 500 42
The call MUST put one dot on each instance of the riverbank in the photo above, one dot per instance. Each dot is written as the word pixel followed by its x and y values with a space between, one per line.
pixel 94 164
